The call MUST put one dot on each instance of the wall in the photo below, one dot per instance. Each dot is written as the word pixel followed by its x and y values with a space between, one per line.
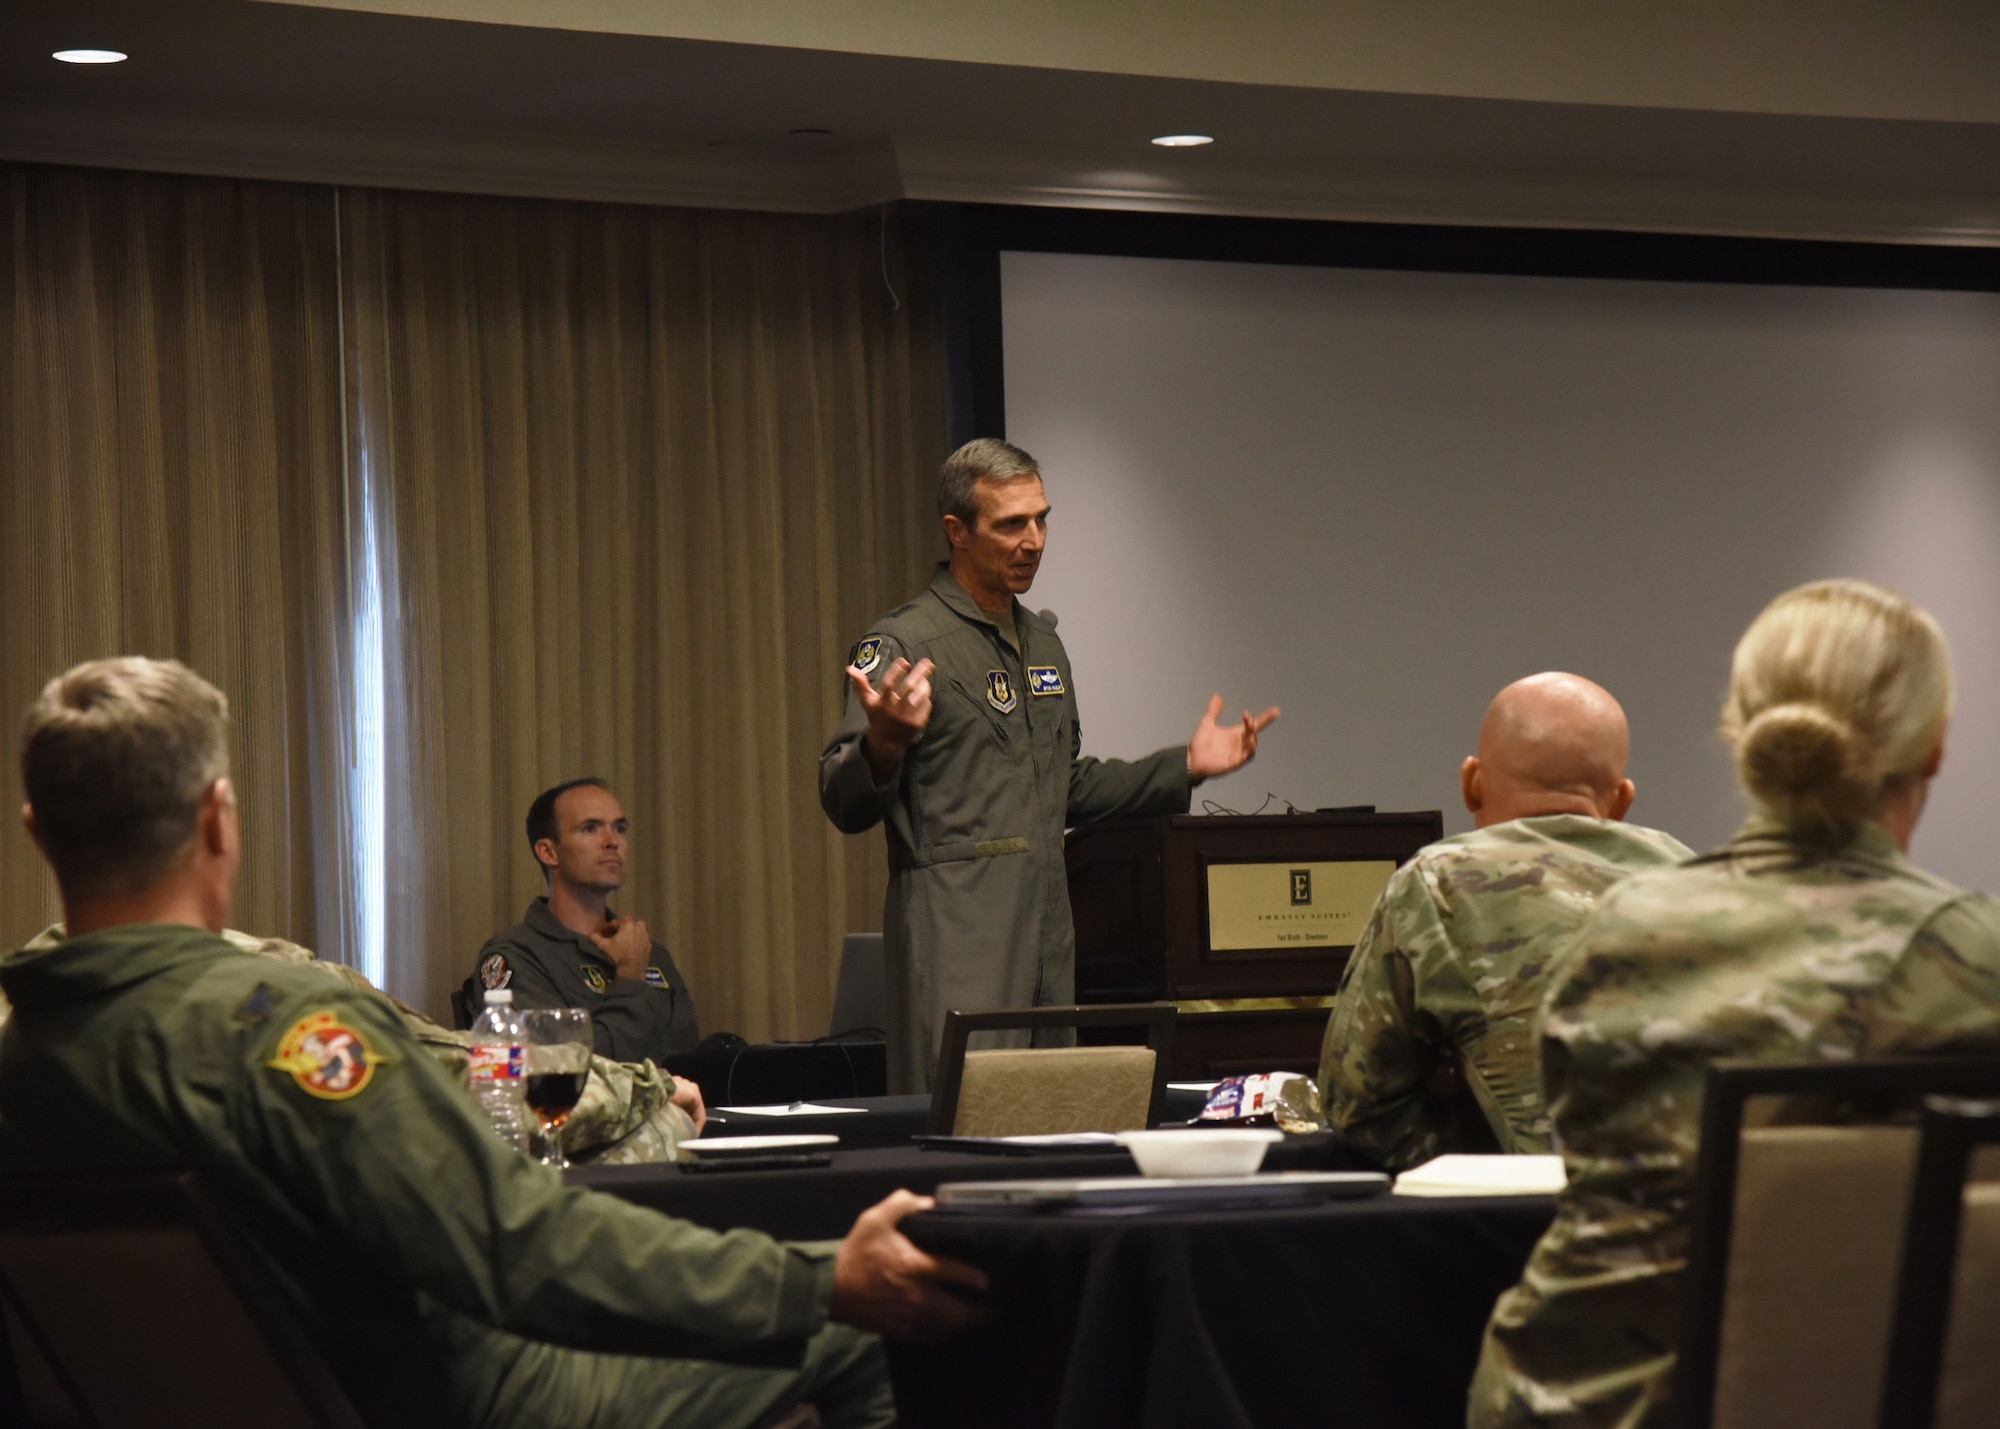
pixel 1375 498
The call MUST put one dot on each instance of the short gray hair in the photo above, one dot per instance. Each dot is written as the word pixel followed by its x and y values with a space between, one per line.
pixel 116 756
pixel 981 459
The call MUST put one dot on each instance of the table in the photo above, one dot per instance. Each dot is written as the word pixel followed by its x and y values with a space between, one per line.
pixel 1360 1313
pixel 891 1121
pixel 820 1203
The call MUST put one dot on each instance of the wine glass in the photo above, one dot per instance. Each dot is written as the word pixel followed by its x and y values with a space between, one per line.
pixel 558 1052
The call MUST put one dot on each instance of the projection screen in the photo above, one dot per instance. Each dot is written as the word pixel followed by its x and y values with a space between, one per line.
pixel 1374 498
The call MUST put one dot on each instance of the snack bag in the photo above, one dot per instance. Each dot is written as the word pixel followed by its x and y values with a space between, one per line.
pixel 1287 1100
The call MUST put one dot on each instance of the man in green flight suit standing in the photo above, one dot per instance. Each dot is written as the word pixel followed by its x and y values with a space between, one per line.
pixel 969 752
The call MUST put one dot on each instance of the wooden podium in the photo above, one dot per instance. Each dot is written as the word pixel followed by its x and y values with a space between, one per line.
pixel 1244 922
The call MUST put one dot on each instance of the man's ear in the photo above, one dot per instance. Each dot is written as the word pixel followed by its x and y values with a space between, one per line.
pixel 217 826
pixel 957 533
pixel 1933 761
pixel 28 823
pixel 546 855
pixel 1620 803
pixel 1471 787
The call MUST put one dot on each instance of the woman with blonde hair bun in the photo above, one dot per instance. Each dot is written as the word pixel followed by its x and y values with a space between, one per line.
pixel 1809 935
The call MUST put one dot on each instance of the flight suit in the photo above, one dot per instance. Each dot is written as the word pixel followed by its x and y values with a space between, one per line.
pixel 548 965
pixel 977 911
pixel 626 1117
pixel 440 1273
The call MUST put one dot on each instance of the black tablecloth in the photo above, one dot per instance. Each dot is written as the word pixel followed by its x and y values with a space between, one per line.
pixel 1364 1313
pixel 820 1203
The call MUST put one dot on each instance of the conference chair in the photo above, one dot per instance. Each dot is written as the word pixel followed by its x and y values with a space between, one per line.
pixel 861 993
pixel 132 1303
pixel 1797 1235
pixel 1942 1367
pixel 1051 1090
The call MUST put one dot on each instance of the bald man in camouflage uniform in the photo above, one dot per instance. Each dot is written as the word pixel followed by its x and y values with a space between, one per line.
pixel 627 1116
pixel 1431 1047
pixel 1780 947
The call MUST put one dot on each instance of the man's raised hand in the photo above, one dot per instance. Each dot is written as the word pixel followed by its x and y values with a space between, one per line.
pixel 1216 749
pixel 897 712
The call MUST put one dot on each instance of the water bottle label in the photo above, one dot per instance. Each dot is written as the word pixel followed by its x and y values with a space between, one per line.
pixel 498 1064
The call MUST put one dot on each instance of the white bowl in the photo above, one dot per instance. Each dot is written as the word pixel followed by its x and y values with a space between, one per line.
pixel 1217 1151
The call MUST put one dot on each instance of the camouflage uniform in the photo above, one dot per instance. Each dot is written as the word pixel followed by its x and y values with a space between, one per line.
pixel 1778 947
pixel 626 1115
pixel 1447 980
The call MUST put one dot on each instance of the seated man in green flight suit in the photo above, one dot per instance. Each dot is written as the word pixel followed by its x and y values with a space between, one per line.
pixel 447 1279
pixel 631 1113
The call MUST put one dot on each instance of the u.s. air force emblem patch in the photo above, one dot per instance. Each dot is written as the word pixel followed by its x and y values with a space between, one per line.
pixel 1000 691
pixel 593 977
pixel 1044 680
pixel 326 1057
pixel 866 654
pixel 494 973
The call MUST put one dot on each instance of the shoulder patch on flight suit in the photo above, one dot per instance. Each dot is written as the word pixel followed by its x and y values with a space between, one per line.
pixel 1000 691
pixel 655 978
pixel 593 977
pixel 257 1006
pixel 494 973
pixel 327 1058
pixel 866 654
pixel 1044 680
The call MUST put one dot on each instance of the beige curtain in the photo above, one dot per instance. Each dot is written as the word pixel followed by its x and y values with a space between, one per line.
pixel 169 480
pixel 647 474
pixel 631 479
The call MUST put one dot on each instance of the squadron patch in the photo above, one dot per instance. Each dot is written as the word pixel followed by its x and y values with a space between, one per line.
pixel 655 978
pixel 593 977
pixel 494 973
pixel 866 654
pixel 1000 691
pixel 326 1057
pixel 1044 680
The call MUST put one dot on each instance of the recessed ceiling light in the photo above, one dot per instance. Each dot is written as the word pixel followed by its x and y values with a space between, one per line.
pixel 1183 141
pixel 90 57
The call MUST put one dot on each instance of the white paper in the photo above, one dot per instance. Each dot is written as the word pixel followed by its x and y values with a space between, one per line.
pixel 794 1109
pixel 1062 1138
pixel 1483 1176
pixel 1194 1086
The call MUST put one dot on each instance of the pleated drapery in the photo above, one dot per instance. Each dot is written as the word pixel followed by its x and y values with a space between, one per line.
pixel 615 485
pixel 169 479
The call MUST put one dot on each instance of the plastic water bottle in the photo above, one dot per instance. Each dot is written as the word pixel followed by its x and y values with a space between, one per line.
pixel 498 1074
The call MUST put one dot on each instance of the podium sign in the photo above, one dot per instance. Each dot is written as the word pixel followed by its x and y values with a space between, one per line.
pixel 1254 906
pixel 1243 921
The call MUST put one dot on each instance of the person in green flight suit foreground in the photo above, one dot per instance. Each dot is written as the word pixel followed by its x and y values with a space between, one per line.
pixel 961 738
pixel 447 1279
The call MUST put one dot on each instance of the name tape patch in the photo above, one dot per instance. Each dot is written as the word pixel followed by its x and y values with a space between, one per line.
pixel 655 978
pixel 327 1058
pixel 1044 680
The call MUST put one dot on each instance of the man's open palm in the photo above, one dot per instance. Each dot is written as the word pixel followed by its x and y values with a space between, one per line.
pixel 1215 749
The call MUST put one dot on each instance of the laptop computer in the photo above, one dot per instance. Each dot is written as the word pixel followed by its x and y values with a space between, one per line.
pixel 1124 1195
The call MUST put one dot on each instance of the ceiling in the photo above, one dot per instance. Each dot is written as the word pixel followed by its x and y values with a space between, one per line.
pixel 308 92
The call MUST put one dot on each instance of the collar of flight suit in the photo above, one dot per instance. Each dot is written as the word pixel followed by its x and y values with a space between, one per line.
pixel 542 919
pixel 103 961
pixel 945 586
